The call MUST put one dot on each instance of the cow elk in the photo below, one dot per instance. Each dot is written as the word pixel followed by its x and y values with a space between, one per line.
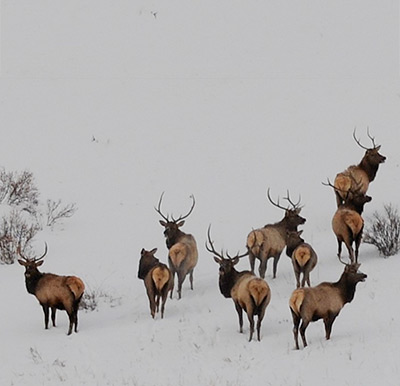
pixel 269 241
pixel 347 223
pixel 358 177
pixel 248 292
pixel 157 279
pixel 324 301
pixel 53 291
pixel 183 254
pixel 303 256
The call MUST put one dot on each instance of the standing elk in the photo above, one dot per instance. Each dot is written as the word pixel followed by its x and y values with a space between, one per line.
pixel 324 301
pixel 183 254
pixel 347 223
pixel 269 241
pixel 248 292
pixel 157 278
pixel 53 291
pixel 304 258
pixel 358 177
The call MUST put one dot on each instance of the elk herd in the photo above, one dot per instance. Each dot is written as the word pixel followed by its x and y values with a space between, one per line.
pixel 250 292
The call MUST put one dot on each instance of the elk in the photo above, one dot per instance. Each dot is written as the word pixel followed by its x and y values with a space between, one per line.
pixel 53 291
pixel 303 256
pixel 358 177
pixel 157 279
pixel 248 292
pixel 269 241
pixel 347 223
pixel 324 301
pixel 183 254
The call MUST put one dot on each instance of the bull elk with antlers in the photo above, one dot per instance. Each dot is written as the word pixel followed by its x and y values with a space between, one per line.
pixel 324 301
pixel 269 241
pixel 53 291
pixel 358 177
pixel 248 292
pixel 183 254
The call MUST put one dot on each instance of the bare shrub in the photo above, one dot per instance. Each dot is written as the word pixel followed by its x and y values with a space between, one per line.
pixel 384 231
pixel 56 211
pixel 19 189
pixel 92 298
pixel 16 231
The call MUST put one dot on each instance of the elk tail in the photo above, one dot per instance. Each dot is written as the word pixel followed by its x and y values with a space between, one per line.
pixel 76 286
pixel 296 300
pixel 160 276
pixel 258 289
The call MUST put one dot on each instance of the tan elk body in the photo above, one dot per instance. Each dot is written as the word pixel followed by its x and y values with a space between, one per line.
pixel 53 291
pixel 324 301
pixel 304 258
pixel 183 254
pixel 157 278
pixel 248 292
pixel 358 177
pixel 269 241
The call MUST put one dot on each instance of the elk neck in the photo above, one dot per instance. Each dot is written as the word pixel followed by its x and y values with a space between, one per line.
pixel 228 280
pixel 346 287
pixel 370 169
pixel 32 281
pixel 173 239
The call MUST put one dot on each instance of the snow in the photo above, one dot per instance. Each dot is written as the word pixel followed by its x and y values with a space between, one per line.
pixel 110 104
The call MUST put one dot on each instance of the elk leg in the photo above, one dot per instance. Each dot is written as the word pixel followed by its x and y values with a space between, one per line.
pixel 296 323
pixel 339 252
pixel 263 268
pixel 53 315
pixel 163 300
pixel 276 259
pixel 240 314
pixel 181 279
pixel 328 321
pixel 46 316
pixel 252 260
pixel 71 322
pixel 191 279
pixel 358 242
pixel 304 325
pixel 250 316
pixel 151 296
pixel 261 313
pixel 297 274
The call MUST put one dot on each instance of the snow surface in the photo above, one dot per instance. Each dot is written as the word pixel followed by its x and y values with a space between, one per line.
pixel 111 103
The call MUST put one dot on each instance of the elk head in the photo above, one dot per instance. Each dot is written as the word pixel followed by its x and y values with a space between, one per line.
pixel 292 214
pixel 31 264
pixel 226 264
pixel 172 231
pixel 372 155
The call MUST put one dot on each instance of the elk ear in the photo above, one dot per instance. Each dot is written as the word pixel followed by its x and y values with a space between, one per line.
pixel 163 223
pixel 299 232
pixel 39 263
pixel 378 148
pixel 180 223
pixel 217 260
pixel 22 262
pixel 153 251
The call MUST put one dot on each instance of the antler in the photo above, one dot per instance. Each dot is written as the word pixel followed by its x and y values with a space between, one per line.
pixel 374 146
pixel 220 255
pixel 35 259
pixel 274 203
pixel 158 209
pixel 188 214
pixel 212 249
pixel 295 206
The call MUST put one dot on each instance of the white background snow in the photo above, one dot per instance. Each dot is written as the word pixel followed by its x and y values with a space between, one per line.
pixel 110 103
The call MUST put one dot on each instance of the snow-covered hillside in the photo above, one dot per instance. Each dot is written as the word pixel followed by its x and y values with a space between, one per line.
pixel 110 104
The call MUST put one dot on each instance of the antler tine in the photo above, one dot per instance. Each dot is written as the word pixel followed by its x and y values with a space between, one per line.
pixel 212 249
pixel 190 211
pixel 44 254
pixel 20 253
pixel 273 203
pixel 237 255
pixel 329 184
pixel 295 206
pixel 358 141
pixel 371 138
pixel 158 209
